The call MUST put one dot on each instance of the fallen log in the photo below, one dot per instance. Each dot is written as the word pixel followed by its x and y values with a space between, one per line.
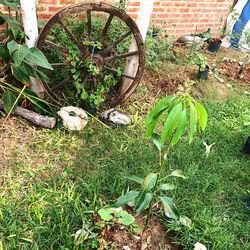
pixel 39 120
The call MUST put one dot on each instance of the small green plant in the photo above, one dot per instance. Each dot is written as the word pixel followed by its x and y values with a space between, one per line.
pixel 177 111
pixel 81 71
pixel 108 214
pixel 199 60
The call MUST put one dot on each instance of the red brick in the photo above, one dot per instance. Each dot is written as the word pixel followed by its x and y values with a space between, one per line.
pixel 44 15
pixel 48 2
pixel 166 4
pixel 133 4
pixel 54 9
pixel 67 1
pixel 158 9
pixel 132 9
pixel 184 10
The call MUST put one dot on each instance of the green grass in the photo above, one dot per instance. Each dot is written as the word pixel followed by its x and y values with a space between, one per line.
pixel 60 178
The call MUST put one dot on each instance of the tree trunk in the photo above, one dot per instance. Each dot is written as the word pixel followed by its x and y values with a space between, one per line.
pixel 31 30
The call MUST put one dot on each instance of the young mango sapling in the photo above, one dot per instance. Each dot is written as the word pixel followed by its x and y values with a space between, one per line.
pixel 178 111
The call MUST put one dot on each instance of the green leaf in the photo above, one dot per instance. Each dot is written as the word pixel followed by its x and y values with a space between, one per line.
pixel 20 75
pixel 169 208
pixel 182 123
pixel 202 115
pixel 125 218
pixel 105 213
pixel 14 26
pixel 40 106
pixel 36 57
pixel 178 173
pixel 171 122
pixel 125 199
pixel 17 51
pixel 167 186
pixel 145 204
pixel 193 121
pixel 134 178
pixel 11 4
pixel 159 107
pixel 151 125
pixel 9 99
pixel 147 184
pixel 4 53
pixel 157 141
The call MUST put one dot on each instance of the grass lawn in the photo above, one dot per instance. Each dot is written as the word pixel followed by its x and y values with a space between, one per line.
pixel 53 181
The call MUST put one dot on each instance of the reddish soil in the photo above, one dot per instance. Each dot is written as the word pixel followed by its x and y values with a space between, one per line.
pixel 155 237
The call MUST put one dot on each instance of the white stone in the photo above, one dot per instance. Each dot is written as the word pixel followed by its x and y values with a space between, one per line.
pixel 218 78
pixel 229 85
pixel 79 235
pixel 115 117
pixel 126 248
pixel 199 246
pixel 77 122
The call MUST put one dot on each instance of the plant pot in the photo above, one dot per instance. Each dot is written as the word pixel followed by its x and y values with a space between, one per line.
pixel 203 74
pixel 214 45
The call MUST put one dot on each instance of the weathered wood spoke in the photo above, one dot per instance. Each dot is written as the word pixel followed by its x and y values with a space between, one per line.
pixel 56 46
pixel 114 71
pixel 71 36
pixel 104 32
pixel 60 64
pixel 89 25
pixel 113 45
pixel 112 58
pixel 61 83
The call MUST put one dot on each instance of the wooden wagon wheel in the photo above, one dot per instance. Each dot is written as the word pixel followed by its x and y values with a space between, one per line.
pixel 88 46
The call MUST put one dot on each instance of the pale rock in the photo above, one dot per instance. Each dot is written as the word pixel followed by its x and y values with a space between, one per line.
pixel 199 246
pixel 126 248
pixel 210 72
pixel 77 121
pixel 114 118
pixel 225 59
pixel 229 85
pixel 79 235
pixel 137 237
pixel 185 221
pixel 246 92
pixel 218 78
pixel 131 204
pixel 117 210
pixel 188 41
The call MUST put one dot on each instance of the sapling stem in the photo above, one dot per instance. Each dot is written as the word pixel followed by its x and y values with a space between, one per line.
pixel 162 162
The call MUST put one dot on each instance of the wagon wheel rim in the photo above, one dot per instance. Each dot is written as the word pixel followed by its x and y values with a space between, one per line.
pixel 103 57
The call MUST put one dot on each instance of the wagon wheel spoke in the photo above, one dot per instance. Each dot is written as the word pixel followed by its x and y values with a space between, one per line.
pixel 89 24
pixel 85 79
pixel 95 82
pixel 60 64
pixel 114 71
pixel 115 57
pixel 114 44
pixel 60 84
pixel 56 46
pixel 104 32
pixel 81 48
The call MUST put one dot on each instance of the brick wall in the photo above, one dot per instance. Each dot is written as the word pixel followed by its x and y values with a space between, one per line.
pixel 178 17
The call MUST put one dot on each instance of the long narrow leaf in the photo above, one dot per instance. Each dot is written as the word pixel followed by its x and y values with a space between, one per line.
pixel 134 178
pixel 152 125
pixel 125 199
pixel 9 99
pixel 147 184
pixel 202 115
pixel 171 122
pixel 159 107
pixel 169 208
pixel 193 120
pixel 144 205
pixel 157 141
pixel 182 123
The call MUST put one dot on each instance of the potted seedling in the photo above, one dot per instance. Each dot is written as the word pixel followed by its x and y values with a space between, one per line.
pixel 215 43
pixel 201 61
